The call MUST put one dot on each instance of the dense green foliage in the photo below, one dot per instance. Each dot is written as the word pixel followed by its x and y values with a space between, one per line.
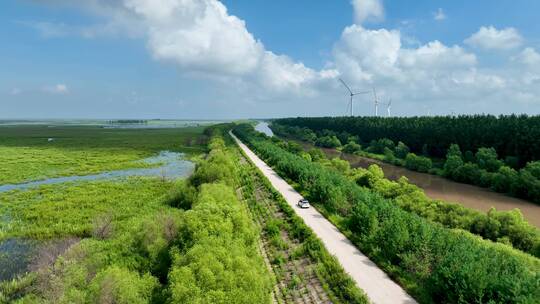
pixel 328 141
pixel 507 227
pixel 516 136
pixel 418 163
pixel 486 170
pixel 26 154
pixel 483 168
pixel 503 226
pixel 137 247
pixel 436 264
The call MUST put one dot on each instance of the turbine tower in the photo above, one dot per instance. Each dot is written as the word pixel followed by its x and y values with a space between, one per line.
pixel 351 94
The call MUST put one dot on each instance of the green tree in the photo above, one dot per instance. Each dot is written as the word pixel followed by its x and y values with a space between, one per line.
pixel 316 154
pixel 352 147
pixel 505 180
pixel 389 156
pixel 401 150
pixel 418 163
pixel 452 164
pixel 119 285
pixel 486 158
pixel 454 150
pixel 328 142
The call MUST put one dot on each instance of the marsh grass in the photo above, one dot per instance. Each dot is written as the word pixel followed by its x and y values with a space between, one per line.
pixel 26 153
pixel 80 209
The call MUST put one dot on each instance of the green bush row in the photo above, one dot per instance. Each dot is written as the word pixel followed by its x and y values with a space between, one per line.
pixel 436 263
pixel 217 258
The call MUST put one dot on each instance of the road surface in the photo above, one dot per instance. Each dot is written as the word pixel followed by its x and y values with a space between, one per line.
pixel 373 281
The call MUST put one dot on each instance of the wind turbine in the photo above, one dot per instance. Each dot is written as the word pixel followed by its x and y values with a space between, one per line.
pixel 388 106
pixel 351 108
pixel 376 101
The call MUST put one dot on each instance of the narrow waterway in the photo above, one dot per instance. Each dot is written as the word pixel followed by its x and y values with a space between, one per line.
pixel 437 187
pixel 169 165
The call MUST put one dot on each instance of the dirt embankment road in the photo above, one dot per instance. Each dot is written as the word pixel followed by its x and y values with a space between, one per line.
pixel 370 278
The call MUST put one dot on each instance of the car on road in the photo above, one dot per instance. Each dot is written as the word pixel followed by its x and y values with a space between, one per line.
pixel 303 203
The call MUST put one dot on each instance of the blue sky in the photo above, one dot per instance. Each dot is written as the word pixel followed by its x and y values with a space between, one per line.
pixel 143 58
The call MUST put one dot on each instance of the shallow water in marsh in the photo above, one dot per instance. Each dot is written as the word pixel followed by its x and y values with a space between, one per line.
pixel 437 187
pixel 15 256
pixel 19 255
pixel 168 165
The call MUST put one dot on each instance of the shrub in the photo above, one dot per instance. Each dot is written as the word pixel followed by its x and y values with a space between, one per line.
pixel 454 150
pixel 389 156
pixel 401 150
pixel 182 195
pixel 377 146
pixel 316 154
pixel 452 164
pixel 352 148
pixel 103 226
pixel 504 180
pixel 487 159
pixel 328 142
pixel 118 285
pixel 468 173
pixel 418 163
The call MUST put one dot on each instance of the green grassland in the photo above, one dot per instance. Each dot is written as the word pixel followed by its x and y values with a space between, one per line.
pixel 26 154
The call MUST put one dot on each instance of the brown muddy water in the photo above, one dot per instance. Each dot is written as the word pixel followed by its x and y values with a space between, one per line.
pixel 440 188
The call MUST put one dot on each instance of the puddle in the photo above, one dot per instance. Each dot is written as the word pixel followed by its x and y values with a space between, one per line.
pixel 173 165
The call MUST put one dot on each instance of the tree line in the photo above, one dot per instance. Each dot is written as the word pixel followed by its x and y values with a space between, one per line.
pixel 437 264
pixel 510 135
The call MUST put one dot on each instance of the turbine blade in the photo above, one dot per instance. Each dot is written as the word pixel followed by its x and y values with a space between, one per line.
pixel 349 89
pixel 364 92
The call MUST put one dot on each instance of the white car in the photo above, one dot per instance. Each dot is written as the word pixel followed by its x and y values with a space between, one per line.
pixel 303 203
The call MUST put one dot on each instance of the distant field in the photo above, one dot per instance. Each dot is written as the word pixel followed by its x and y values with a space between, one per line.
pixel 36 152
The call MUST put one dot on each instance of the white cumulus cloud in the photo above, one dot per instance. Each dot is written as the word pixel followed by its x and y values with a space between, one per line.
pixel 528 56
pixel 490 38
pixel 367 10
